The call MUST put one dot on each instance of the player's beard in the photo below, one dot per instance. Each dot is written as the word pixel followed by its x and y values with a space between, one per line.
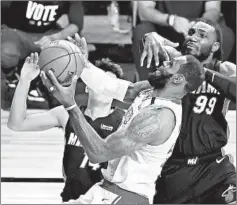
pixel 158 81
pixel 202 54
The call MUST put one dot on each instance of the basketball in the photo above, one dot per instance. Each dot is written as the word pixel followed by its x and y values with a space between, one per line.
pixel 64 59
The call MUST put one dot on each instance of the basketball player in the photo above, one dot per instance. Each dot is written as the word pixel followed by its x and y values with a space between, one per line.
pixel 197 172
pixel 79 173
pixel 137 150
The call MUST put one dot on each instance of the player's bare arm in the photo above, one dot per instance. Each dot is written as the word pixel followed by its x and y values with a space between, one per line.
pixel 19 120
pixel 152 127
pixel 225 82
pixel 148 127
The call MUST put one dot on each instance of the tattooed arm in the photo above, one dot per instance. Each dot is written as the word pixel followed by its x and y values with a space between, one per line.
pixel 148 127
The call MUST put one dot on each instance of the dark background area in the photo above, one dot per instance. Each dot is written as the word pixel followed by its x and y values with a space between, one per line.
pixel 100 8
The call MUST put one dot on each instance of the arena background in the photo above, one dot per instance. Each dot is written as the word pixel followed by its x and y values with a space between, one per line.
pixel 31 162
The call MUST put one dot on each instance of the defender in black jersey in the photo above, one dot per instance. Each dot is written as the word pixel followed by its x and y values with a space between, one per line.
pixel 80 175
pixel 198 171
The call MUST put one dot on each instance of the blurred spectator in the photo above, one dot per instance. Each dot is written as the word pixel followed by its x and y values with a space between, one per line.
pixel 113 15
pixel 29 26
pixel 171 19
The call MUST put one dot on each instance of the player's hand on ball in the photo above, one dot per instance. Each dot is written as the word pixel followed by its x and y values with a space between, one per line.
pixel 30 69
pixel 65 95
pixel 80 43
pixel 154 46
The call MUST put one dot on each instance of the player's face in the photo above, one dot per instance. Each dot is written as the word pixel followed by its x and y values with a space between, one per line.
pixel 98 97
pixel 199 41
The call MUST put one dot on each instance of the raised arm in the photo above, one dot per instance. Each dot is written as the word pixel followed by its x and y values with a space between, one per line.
pixel 212 10
pixel 148 12
pixel 225 80
pixel 18 119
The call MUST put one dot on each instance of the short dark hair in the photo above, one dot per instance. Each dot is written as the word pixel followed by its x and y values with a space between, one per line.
pixel 106 64
pixel 193 72
pixel 219 53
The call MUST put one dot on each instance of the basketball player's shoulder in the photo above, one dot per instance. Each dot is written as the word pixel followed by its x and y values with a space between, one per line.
pixel 227 69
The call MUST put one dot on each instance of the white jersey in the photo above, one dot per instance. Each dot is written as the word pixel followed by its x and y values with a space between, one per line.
pixel 138 171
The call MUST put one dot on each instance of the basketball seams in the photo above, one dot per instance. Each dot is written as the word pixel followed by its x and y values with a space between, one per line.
pixel 65 66
pixel 56 47
pixel 68 54
pixel 74 57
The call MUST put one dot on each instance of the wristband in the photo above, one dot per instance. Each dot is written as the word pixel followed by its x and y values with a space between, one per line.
pixel 170 20
pixel 212 78
pixel 71 107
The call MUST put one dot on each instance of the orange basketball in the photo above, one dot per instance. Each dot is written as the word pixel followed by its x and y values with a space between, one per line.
pixel 64 59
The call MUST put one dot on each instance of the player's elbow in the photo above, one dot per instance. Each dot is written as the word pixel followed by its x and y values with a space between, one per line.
pixel 13 126
pixel 98 156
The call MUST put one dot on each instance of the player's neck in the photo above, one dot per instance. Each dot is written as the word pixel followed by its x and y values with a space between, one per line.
pixel 208 60
pixel 169 94
pixel 98 110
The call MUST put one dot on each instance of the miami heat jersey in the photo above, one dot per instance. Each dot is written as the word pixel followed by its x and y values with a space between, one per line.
pixel 138 171
pixel 204 127
pixel 77 168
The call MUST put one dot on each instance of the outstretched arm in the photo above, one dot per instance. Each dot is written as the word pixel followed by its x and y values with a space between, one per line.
pixel 18 119
pixel 151 126
pixel 119 89
pixel 148 127
pixel 225 80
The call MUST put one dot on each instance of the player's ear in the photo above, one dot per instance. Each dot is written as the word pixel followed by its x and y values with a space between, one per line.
pixel 178 78
pixel 215 47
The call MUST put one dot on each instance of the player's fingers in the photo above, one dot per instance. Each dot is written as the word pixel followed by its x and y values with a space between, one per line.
pixel 78 39
pixel 69 38
pixel 84 44
pixel 164 53
pixel 27 60
pixel 54 80
pixel 143 56
pixel 74 82
pixel 36 58
pixel 149 56
pixel 170 43
pixel 32 56
pixel 46 81
pixel 155 50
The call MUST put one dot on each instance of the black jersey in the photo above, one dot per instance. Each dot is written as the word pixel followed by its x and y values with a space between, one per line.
pixel 35 16
pixel 204 127
pixel 80 174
